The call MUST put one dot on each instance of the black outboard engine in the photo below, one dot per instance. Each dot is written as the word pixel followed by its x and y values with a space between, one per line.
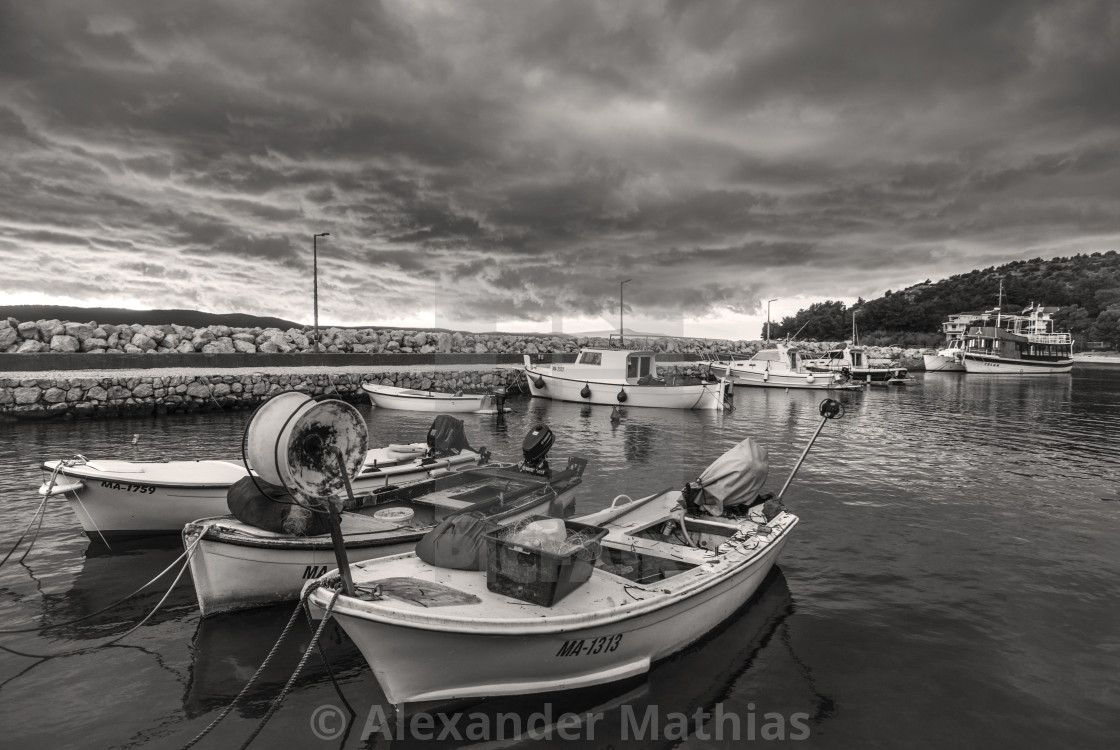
pixel 535 449
pixel 446 437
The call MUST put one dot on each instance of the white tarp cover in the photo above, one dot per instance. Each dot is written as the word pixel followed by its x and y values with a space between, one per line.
pixel 734 478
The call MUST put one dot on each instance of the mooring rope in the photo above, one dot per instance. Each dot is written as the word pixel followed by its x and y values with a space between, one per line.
pixel 295 674
pixel 260 670
pixel 188 553
pixel 19 541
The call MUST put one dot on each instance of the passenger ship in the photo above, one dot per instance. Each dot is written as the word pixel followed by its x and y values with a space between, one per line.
pixel 1025 345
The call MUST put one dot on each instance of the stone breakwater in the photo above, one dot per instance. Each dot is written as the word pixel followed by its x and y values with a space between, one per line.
pixel 31 337
pixel 137 394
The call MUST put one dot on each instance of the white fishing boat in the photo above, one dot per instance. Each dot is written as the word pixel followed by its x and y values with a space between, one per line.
pixel 780 367
pixel 238 565
pixel 852 360
pixel 623 376
pixel 413 399
pixel 625 587
pixel 116 499
pixel 1029 345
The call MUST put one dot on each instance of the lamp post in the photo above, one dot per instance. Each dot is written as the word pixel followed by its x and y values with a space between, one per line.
pixel 768 318
pixel 621 335
pixel 315 273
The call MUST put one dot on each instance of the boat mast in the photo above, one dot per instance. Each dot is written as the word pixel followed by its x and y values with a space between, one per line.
pixel 999 307
pixel 855 336
pixel 621 337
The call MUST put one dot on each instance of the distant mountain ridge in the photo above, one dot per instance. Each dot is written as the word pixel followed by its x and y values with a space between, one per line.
pixel 1085 288
pixel 120 316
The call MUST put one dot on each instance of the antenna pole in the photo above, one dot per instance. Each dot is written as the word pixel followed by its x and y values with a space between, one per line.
pixel 829 409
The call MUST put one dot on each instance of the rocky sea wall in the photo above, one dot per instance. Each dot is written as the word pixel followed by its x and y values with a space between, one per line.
pixel 32 337
pixel 132 394
pixel 54 368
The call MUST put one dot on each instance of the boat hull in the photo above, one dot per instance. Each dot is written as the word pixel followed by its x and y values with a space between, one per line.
pixel 769 379
pixel 403 399
pixel 234 571
pixel 942 363
pixel 704 397
pixel 137 499
pixel 427 665
pixel 981 364
pixel 469 640
pixel 229 577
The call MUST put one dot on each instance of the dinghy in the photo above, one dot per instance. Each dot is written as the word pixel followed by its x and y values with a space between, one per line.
pixel 616 591
pixel 238 565
pixel 414 399
pixel 123 499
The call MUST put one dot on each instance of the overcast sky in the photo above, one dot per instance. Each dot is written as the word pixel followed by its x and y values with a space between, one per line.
pixel 506 164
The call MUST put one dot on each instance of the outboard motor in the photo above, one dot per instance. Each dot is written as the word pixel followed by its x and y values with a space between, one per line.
pixel 535 449
pixel 446 437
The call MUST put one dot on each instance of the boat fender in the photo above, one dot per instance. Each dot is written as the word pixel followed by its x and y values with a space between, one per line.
pixel 809 378
pixel 539 382
pixel 621 396
pixel 585 392
pixel 765 375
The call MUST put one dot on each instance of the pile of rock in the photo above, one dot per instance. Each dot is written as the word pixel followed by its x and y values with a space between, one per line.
pixel 131 394
pixel 57 336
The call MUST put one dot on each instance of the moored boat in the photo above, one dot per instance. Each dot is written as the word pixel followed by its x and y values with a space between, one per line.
pixel 122 499
pixel 623 376
pixel 853 361
pixel 238 565
pixel 414 399
pixel 625 587
pixel 780 367
pixel 1028 346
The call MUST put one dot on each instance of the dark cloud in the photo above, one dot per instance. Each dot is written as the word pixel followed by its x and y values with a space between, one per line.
pixel 514 160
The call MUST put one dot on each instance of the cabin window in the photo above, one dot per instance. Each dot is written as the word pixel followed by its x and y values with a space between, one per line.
pixel 591 358
pixel 637 367
pixel 857 359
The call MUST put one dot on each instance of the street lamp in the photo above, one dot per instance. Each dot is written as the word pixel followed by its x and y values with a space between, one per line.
pixel 621 335
pixel 315 272
pixel 768 318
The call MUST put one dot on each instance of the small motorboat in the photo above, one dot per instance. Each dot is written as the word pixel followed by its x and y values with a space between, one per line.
pixel 238 565
pixel 412 399
pixel 624 376
pixel 123 499
pixel 852 361
pixel 780 367
pixel 599 600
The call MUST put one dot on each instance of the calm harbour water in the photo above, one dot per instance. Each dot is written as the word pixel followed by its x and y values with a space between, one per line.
pixel 954 581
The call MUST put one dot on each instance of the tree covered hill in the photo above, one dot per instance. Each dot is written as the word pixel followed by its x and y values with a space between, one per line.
pixel 1086 288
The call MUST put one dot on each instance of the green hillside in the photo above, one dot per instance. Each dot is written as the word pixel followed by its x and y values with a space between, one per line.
pixel 1086 288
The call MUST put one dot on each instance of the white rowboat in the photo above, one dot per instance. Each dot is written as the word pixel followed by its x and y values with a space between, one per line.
pixel 412 399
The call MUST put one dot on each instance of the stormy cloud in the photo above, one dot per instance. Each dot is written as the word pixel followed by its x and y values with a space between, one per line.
pixel 513 161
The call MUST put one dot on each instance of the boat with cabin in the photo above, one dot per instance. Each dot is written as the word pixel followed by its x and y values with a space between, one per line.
pixel 780 367
pixel 1027 344
pixel 623 376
